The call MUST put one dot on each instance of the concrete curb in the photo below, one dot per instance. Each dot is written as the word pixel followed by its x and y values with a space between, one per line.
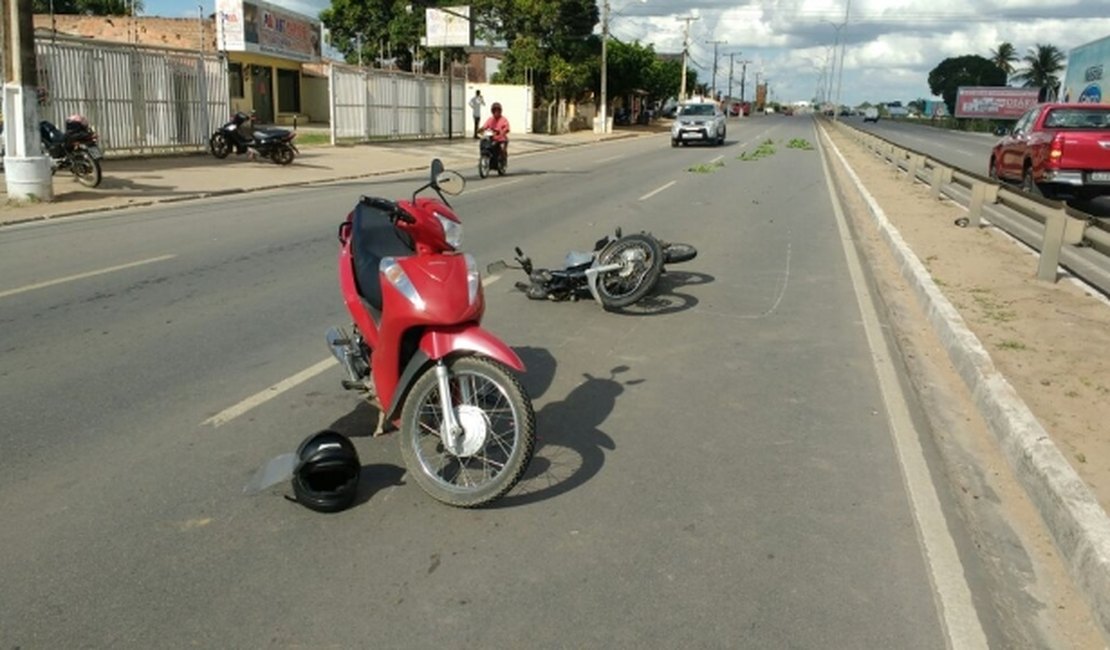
pixel 1079 525
pixel 239 190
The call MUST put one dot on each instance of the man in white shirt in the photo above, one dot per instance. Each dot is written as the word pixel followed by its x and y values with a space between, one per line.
pixel 476 104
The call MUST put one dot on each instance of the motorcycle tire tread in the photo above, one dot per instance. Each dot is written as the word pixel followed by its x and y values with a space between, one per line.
pixel 651 276
pixel 510 476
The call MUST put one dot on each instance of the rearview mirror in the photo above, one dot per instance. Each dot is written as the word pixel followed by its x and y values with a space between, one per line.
pixel 450 182
pixel 496 267
pixel 437 169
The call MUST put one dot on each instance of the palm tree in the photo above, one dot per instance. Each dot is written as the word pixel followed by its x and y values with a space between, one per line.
pixel 1043 64
pixel 1004 57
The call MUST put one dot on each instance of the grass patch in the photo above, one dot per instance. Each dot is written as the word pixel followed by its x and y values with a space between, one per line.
pixel 1081 457
pixel 706 168
pixel 991 308
pixel 312 139
pixel 767 148
pixel 799 143
pixel 1010 344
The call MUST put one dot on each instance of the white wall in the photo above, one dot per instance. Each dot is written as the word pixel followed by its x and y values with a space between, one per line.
pixel 516 105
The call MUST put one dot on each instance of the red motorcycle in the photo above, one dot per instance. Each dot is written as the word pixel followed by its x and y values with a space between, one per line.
pixel 417 352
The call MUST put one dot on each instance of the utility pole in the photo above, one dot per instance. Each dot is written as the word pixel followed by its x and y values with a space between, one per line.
pixel 715 44
pixel 26 170
pixel 730 55
pixel 743 80
pixel 685 52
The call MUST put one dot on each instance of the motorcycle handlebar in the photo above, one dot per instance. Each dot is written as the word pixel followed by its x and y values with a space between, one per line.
pixel 389 207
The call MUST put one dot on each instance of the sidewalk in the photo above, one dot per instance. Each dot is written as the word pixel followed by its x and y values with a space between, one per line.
pixel 147 181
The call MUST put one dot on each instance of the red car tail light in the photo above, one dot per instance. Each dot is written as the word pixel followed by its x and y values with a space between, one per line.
pixel 1056 150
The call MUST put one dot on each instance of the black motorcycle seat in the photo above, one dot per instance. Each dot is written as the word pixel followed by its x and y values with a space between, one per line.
pixel 270 134
pixel 374 237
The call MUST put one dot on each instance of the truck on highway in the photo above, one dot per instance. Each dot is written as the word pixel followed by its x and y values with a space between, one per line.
pixel 1088 66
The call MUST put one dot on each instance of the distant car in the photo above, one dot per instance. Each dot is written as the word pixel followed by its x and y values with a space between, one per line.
pixel 871 114
pixel 1057 151
pixel 698 122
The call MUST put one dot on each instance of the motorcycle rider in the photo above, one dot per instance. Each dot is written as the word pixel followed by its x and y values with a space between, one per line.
pixel 499 124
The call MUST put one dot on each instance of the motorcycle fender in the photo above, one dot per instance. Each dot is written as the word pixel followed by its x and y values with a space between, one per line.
pixel 439 344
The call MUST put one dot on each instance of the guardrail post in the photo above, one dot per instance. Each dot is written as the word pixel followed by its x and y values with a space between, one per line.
pixel 915 164
pixel 941 175
pixel 980 193
pixel 1053 241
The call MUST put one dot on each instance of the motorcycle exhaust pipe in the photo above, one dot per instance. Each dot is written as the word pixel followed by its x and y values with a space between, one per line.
pixel 345 352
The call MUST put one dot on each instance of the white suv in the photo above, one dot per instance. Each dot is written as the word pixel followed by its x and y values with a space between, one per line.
pixel 698 122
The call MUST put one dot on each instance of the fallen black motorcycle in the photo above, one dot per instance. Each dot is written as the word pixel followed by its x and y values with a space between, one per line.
pixel 489 155
pixel 275 144
pixel 620 270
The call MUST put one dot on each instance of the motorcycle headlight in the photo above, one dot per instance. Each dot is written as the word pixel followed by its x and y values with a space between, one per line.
pixel 397 277
pixel 452 231
pixel 473 277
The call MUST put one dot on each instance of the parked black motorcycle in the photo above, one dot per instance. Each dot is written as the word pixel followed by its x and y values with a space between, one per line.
pixel 275 144
pixel 74 149
pixel 489 155
pixel 620 271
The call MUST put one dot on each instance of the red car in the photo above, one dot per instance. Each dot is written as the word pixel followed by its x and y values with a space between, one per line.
pixel 1057 151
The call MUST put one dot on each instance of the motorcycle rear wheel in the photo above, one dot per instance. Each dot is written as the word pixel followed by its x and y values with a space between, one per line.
pixel 641 260
pixel 219 146
pixel 282 155
pixel 502 166
pixel 483 166
pixel 492 405
pixel 86 168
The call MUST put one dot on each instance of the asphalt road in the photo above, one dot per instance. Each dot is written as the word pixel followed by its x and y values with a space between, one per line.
pixel 721 469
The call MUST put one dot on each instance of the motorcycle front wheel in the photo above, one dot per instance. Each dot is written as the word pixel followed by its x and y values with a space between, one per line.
pixel 483 166
pixel 676 253
pixel 641 262
pixel 86 168
pixel 499 433
pixel 283 155
pixel 219 146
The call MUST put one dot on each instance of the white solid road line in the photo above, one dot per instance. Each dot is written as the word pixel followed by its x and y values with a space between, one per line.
pixel 609 159
pixel 656 191
pixel 716 160
pixel 955 606
pixel 493 186
pixel 81 276
pixel 229 414
pixel 267 394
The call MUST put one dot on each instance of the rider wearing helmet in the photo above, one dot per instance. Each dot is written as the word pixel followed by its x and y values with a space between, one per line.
pixel 499 124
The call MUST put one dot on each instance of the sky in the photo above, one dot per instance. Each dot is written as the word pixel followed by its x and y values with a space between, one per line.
pixel 889 45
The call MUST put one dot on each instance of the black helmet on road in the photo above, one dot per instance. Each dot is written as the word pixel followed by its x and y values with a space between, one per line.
pixel 325 477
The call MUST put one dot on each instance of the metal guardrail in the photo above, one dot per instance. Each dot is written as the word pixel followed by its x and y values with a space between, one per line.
pixel 1061 234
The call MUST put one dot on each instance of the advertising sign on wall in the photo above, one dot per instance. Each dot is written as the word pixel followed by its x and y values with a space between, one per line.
pixel 1088 70
pixel 995 102
pixel 448 27
pixel 255 26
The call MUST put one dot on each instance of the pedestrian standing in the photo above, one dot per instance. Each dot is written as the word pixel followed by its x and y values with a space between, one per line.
pixel 476 104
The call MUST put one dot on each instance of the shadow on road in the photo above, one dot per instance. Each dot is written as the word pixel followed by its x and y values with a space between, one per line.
pixel 666 298
pixel 570 446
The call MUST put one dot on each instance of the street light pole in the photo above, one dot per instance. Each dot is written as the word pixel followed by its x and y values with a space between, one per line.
pixel 843 42
pixel 685 55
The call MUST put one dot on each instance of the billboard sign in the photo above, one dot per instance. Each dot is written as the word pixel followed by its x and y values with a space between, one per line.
pixel 448 27
pixel 255 26
pixel 1088 71
pixel 995 102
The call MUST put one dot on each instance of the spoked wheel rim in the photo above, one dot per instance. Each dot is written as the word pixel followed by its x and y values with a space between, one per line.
pixel 483 166
pixel 636 258
pixel 492 426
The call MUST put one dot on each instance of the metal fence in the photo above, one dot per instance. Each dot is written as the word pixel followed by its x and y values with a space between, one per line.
pixel 370 104
pixel 138 98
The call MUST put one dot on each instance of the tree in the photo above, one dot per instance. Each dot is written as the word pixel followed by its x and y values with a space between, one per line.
pixel 90 7
pixel 1004 57
pixel 1043 64
pixel 968 70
